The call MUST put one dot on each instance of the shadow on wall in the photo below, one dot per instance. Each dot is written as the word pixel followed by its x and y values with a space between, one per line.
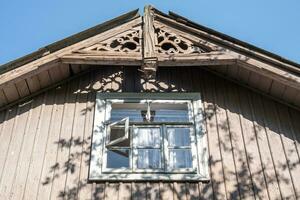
pixel 242 127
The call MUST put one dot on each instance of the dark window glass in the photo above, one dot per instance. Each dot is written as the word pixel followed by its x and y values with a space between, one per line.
pixel 118 158
pixel 116 133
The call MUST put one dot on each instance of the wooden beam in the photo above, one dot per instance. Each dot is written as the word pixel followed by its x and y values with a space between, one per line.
pixel 149 66
pixel 85 59
pixel 226 44
pixel 205 59
pixel 41 64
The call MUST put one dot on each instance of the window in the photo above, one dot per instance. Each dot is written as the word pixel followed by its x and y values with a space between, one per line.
pixel 142 136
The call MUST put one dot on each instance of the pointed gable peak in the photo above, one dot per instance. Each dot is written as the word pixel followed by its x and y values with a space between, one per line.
pixel 151 41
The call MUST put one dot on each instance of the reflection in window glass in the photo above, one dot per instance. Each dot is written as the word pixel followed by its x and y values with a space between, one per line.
pixel 180 158
pixel 148 137
pixel 160 112
pixel 149 159
pixel 178 137
pixel 131 110
pixel 118 158
pixel 170 112
pixel 119 132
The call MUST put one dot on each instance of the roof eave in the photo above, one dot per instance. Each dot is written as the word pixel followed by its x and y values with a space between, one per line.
pixel 70 40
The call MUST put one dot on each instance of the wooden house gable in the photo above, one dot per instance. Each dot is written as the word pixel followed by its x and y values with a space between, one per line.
pixel 154 40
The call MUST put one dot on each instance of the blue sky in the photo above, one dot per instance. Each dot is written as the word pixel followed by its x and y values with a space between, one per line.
pixel 273 25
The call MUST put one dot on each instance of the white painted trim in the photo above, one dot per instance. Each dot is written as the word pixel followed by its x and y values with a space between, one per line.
pixel 97 139
pixel 99 136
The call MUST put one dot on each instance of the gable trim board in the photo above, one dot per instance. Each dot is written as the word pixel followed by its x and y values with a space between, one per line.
pixel 161 41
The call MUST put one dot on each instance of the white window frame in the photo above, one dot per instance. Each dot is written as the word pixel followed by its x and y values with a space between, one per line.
pixel 199 148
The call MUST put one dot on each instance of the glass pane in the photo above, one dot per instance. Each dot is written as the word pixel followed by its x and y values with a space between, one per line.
pixel 117 132
pixel 180 158
pixel 132 110
pixel 118 158
pixel 170 112
pixel 149 159
pixel 179 137
pixel 148 137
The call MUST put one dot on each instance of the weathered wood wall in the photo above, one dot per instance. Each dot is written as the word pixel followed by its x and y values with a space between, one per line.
pixel 253 141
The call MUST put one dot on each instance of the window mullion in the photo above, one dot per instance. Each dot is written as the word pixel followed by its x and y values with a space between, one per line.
pixel 134 149
pixel 165 148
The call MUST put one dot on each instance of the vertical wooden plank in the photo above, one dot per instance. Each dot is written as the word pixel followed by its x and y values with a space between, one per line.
pixel 294 116
pixel 244 75
pixel 11 119
pixel 277 150
pixel 14 149
pixel 251 145
pixel 152 191
pixel 64 70
pixel 96 83
pixel 239 141
pixel 232 71
pixel 106 80
pixel 254 79
pixel 98 191
pixel 40 143
pixel 5 136
pixel 290 146
pixel 84 67
pixel 11 92
pixel 290 94
pixel 216 165
pixel 128 79
pixel 223 129
pixel 197 85
pixel 64 143
pixel 166 191
pixel 22 88
pixel 112 191
pixel 86 190
pixel 296 100
pixel 55 74
pixel 179 191
pixel 44 78
pixel 3 99
pixel 26 150
pixel 33 84
pixel 3 116
pixel 264 83
pixel 186 80
pixel 138 191
pixel 125 191
pixel 269 172
pixel 76 142
pixel 277 89
pixel 116 80
pixel 75 69
pixel 221 69
pixel 192 191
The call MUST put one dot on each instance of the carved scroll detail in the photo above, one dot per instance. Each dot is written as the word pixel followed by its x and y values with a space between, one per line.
pixel 170 43
pixel 127 42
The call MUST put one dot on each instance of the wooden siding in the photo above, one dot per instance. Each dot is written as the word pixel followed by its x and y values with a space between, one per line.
pixel 254 142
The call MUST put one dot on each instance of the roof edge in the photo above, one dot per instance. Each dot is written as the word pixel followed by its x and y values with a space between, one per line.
pixel 55 46
pixel 192 24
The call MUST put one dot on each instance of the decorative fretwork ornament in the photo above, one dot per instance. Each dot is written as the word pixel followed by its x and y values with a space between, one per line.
pixel 127 42
pixel 169 43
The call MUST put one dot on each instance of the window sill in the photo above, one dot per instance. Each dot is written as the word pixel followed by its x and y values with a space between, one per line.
pixel 149 177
